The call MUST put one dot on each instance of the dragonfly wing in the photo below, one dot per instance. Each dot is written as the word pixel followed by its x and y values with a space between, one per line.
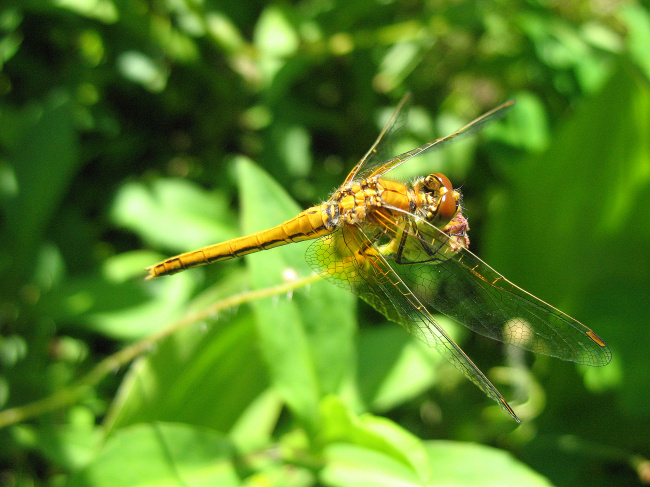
pixel 460 285
pixel 375 155
pixel 368 274
pixel 474 126
pixel 373 164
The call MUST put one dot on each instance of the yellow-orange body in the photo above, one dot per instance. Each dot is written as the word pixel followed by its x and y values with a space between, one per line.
pixel 353 204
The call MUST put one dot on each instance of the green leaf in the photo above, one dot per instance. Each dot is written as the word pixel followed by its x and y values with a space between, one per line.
pixel 307 343
pixel 103 10
pixel 118 307
pixel 350 465
pixel 637 21
pixel 466 464
pixel 207 374
pixel 140 68
pixel 292 144
pixel 380 435
pixel 274 35
pixel 394 366
pixel 161 454
pixel 254 427
pixel 526 126
pixel 276 41
pixel 174 214
pixel 450 463
pixel 72 444
pixel 45 160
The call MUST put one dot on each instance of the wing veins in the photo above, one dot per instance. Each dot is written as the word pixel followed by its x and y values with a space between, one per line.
pixel 583 344
pixel 373 149
pixel 415 312
pixel 471 128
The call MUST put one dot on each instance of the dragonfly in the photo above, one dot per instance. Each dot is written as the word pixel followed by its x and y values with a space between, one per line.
pixel 403 248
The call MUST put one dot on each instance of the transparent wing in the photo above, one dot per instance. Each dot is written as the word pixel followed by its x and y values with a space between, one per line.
pixel 374 156
pixel 460 285
pixel 371 165
pixel 350 259
pixel 471 128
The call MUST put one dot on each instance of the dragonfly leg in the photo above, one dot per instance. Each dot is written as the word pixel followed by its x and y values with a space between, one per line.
pixel 427 248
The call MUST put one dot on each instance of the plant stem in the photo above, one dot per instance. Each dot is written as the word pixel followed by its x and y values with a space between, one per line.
pixel 71 394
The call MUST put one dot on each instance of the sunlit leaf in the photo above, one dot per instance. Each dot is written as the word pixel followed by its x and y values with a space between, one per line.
pixel 380 435
pixel 73 443
pixel 637 19
pixel 173 213
pixel 124 310
pixel 306 341
pixel 467 464
pixel 103 10
pixel 351 465
pixel 393 366
pixel 161 454
pixel 206 374
pixel 274 35
pixel 141 69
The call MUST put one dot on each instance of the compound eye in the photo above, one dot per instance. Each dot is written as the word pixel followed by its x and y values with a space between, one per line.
pixel 448 205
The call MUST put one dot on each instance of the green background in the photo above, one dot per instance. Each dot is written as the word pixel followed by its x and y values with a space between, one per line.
pixel 134 130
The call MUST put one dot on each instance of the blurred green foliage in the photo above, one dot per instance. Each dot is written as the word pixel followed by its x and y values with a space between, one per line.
pixel 132 130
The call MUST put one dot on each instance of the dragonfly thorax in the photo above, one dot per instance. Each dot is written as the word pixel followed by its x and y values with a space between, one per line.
pixel 355 202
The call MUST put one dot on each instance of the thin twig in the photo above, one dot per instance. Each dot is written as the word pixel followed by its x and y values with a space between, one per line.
pixel 71 394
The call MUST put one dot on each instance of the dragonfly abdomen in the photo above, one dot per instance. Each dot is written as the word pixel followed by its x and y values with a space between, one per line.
pixel 312 223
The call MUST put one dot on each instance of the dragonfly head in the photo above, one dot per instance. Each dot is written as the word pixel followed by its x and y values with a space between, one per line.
pixel 437 198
